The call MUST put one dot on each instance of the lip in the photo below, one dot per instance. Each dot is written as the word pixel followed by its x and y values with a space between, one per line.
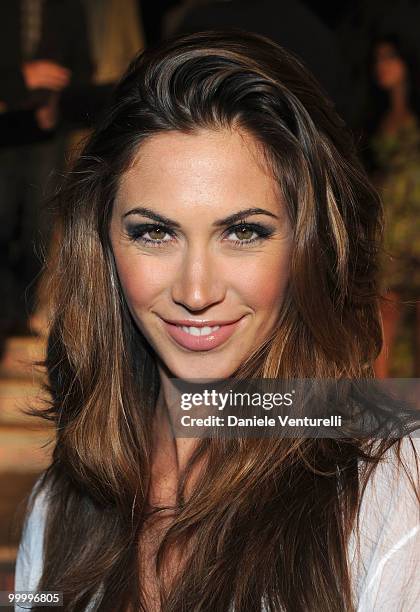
pixel 201 343
pixel 199 323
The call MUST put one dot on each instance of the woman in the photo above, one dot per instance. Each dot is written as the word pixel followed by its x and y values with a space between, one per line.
pixel 216 224
pixel 394 152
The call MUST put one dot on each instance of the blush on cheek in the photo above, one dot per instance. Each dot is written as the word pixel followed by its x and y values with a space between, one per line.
pixel 140 281
pixel 265 284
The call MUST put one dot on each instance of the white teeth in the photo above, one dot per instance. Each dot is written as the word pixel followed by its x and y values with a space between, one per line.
pixel 199 331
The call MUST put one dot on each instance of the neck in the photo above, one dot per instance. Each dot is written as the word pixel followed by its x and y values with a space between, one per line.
pixel 167 414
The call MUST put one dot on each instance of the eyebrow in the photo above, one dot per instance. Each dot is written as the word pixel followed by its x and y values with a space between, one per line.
pixel 238 216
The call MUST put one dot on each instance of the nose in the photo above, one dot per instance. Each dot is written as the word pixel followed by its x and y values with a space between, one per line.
pixel 199 283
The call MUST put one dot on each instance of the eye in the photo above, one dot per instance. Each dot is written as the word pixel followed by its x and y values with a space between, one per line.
pixel 155 235
pixel 150 234
pixel 248 233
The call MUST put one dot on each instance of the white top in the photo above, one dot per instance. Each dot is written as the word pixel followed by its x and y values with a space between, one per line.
pixel 385 566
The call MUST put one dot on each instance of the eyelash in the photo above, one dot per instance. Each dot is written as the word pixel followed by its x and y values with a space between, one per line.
pixel 136 233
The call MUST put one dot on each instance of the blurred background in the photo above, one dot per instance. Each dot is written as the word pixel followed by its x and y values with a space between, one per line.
pixel 59 61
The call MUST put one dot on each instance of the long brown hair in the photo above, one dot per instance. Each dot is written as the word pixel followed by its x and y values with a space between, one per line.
pixel 269 519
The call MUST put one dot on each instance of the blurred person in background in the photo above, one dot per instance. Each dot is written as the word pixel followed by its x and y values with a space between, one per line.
pixel 356 24
pixel 393 159
pixel 44 51
pixel 116 36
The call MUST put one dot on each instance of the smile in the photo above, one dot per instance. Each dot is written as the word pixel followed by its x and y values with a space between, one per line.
pixel 203 336
pixel 199 331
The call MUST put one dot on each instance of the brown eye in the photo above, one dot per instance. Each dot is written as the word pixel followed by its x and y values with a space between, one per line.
pixel 150 235
pixel 247 234
pixel 157 233
pixel 244 233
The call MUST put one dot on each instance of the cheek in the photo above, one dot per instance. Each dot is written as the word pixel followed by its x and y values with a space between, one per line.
pixel 264 284
pixel 142 279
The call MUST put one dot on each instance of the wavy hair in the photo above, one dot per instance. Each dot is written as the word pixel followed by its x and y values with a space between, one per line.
pixel 268 519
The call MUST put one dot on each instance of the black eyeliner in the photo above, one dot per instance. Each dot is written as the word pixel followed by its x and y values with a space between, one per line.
pixel 263 231
pixel 136 231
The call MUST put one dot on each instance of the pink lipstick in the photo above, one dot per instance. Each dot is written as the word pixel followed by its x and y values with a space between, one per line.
pixel 201 335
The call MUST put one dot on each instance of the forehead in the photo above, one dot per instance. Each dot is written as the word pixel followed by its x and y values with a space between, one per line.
pixel 213 168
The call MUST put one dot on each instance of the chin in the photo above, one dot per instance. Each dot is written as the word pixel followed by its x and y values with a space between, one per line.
pixel 200 371
pixel 203 374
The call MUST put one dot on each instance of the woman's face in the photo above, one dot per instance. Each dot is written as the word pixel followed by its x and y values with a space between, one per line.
pixel 390 69
pixel 202 244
